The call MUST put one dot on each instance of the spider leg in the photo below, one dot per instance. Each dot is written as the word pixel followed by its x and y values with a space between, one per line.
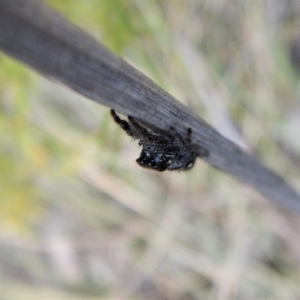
pixel 180 139
pixel 189 135
pixel 141 131
pixel 201 151
pixel 123 124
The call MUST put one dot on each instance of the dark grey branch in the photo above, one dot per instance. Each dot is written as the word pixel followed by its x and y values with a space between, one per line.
pixel 33 33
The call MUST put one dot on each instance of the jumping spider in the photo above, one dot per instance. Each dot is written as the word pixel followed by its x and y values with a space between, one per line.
pixel 162 151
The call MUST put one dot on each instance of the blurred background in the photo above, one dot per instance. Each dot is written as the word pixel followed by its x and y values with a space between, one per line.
pixel 80 220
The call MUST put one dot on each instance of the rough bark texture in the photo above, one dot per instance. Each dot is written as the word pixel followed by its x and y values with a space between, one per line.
pixel 38 36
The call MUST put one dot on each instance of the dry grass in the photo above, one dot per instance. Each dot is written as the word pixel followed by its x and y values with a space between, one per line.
pixel 81 221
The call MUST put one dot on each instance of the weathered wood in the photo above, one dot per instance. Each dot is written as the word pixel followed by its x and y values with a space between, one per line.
pixel 35 34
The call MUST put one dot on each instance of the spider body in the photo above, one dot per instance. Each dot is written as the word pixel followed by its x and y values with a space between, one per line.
pixel 162 152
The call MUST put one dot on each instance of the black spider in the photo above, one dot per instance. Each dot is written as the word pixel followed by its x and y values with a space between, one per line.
pixel 162 151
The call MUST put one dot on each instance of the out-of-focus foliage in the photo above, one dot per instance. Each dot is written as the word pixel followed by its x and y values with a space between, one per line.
pixel 81 221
